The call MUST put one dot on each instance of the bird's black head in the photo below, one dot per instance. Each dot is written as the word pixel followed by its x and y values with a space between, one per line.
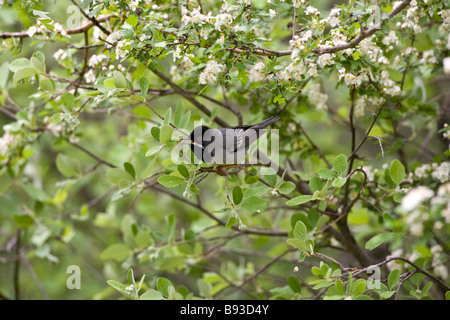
pixel 196 138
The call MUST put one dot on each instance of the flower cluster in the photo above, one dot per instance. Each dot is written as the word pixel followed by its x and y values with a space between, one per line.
pixel 210 73
pixel 437 171
pixel 5 142
pixel 365 102
pixel 257 72
pixel 41 28
pixel 317 97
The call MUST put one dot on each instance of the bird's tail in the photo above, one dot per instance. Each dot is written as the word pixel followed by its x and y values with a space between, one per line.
pixel 266 122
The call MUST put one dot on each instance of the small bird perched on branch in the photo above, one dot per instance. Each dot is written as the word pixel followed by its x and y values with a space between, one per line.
pixel 226 146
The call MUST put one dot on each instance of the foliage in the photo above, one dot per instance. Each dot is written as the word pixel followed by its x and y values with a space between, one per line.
pixel 96 95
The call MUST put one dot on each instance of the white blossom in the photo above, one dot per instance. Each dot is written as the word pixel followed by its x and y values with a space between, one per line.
pixel 31 31
pixel 311 11
pixel 5 142
pixel 90 76
pixel 390 38
pixel 299 41
pixel 325 59
pixel 446 65
pixel 428 57
pixel 441 172
pixel 272 13
pixel 415 197
pixel 60 29
pixel 96 59
pixel 257 73
pixel 210 73
pixel 60 55
pixel 316 97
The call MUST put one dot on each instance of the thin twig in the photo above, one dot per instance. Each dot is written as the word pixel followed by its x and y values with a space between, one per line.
pixel 93 19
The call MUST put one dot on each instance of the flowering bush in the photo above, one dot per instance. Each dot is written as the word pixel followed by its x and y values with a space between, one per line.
pixel 95 96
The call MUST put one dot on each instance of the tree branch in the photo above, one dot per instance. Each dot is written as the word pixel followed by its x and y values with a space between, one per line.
pixel 273 233
pixel 93 19
pixel 188 97
pixel 81 29
pixel 364 33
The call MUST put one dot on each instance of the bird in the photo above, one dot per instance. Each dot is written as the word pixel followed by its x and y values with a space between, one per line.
pixel 226 146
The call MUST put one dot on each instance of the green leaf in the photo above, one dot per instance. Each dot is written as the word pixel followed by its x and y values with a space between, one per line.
pixel 339 182
pixel 151 295
pixel 397 172
pixel 132 20
pixel 24 73
pixel 286 187
pixel 23 220
pixel 315 184
pixel 358 287
pixel 378 240
pixel 68 99
pixel 155 132
pixel 393 278
pixel 193 187
pixel 171 223
pixel 231 222
pixel 185 120
pixel 165 134
pixel 38 61
pixel 143 84
pixel 119 287
pixel 327 174
pixel 130 169
pixel 153 150
pixel 109 83
pixel 294 284
pixel 179 111
pixel 300 230
pixel 237 195
pixel 168 116
pixel 162 285
pixel 18 64
pixel 297 243
pixel 120 81
pixel 35 193
pixel 46 84
pixel 299 200
pixel 4 71
pixel 170 181
pixel 117 251
pixel 254 203
pixel 69 167
pixel 130 277
pixel 340 164
pixel 204 288
pixel 183 171
pixel 115 175
pixel 321 221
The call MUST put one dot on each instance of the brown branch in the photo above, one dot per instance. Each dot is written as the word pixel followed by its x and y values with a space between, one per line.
pixel 415 266
pixel 89 153
pixel 273 233
pixel 81 29
pixel 188 97
pixel 364 33
pixel 93 19
pixel 258 273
